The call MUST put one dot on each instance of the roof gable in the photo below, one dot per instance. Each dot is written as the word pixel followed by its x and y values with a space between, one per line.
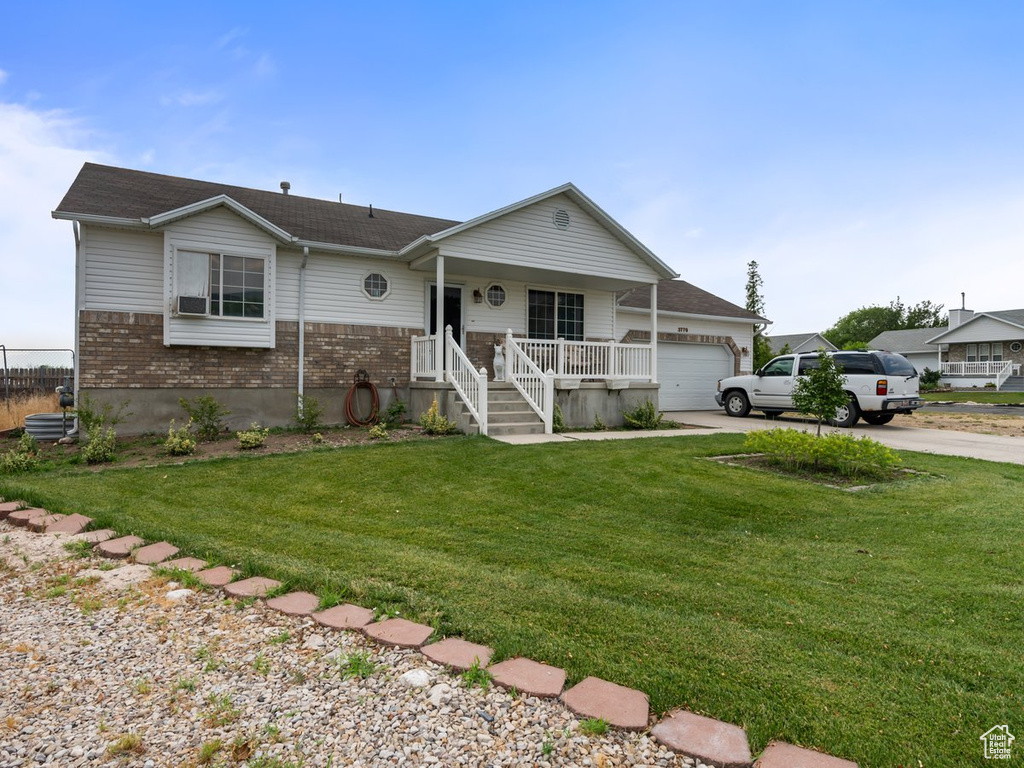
pixel 985 326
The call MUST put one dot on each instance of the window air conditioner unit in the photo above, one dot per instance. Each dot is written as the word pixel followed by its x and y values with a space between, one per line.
pixel 193 305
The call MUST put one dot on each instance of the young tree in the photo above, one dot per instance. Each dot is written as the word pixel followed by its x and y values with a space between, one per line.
pixel 822 391
pixel 755 304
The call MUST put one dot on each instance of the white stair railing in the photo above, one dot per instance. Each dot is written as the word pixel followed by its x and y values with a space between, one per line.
pixel 536 386
pixel 470 384
pixel 1003 375
pixel 422 357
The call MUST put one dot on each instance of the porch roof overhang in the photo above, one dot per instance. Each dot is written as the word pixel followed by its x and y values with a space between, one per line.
pixel 494 270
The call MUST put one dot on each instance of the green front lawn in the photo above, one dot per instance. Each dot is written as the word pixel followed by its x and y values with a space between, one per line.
pixel 976 396
pixel 883 626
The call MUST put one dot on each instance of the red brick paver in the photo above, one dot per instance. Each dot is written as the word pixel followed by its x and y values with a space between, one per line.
pixel 95 537
pixel 345 616
pixel 7 507
pixel 295 603
pixel 400 632
pixel 118 548
pixel 72 524
pixel 782 755
pixel 615 704
pixel 257 586
pixel 711 741
pixel 190 564
pixel 40 524
pixel 458 654
pixel 529 677
pixel 154 553
pixel 23 517
pixel 216 577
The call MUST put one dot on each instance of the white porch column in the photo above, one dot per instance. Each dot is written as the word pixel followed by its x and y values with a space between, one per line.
pixel 654 333
pixel 439 321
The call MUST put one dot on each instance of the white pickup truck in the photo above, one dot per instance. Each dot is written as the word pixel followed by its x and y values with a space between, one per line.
pixel 880 385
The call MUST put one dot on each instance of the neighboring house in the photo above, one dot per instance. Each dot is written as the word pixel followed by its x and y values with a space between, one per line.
pixel 914 345
pixel 800 343
pixel 187 287
pixel 983 348
pixel 701 339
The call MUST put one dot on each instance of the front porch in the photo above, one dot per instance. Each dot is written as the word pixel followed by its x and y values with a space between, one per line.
pixel 578 376
pixel 979 374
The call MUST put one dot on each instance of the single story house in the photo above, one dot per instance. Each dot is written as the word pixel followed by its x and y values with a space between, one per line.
pixel 914 345
pixel 982 348
pixel 797 343
pixel 187 287
pixel 701 339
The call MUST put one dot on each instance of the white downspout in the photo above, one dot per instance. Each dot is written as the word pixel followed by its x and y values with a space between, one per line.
pixel 654 333
pixel 78 299
pixel 302 324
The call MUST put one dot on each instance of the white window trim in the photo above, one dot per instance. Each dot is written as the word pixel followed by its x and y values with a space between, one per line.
pixel 210 251
pixel 556 291
pixel 370 296
pixel 487 295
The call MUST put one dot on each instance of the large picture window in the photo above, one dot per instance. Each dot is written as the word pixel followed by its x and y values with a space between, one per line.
pixel 236 286
pixel 554 315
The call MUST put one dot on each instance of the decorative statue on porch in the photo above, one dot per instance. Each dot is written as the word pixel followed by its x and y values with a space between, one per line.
pixel 499 363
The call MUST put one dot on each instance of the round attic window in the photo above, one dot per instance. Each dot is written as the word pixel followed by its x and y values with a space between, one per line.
pixel 561 218
pixel 1015 346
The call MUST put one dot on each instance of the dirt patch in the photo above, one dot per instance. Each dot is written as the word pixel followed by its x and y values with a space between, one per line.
pixel 979 423
pixel 148 450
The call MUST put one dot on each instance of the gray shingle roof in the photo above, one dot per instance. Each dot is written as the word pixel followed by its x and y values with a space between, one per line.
pixel 681 296
pixel 103 190
pixel 912 340
pixel 794 340
pixel 1015 316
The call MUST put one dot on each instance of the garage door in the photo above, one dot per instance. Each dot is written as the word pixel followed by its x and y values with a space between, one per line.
pixel 689 375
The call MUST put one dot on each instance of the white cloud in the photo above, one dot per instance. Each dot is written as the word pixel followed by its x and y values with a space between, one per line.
pixel 3 77
pixel 229 37
pixel 193 98
pixel 265 66
pixel 40 153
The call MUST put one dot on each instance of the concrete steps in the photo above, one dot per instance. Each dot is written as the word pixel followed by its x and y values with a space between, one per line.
pixel 507 413
pixel 1013 384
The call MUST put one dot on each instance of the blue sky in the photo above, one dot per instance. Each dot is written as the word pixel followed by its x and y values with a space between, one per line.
pixel 858 151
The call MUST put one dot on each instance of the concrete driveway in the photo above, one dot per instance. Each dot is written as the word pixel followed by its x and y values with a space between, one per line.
pixel 946 442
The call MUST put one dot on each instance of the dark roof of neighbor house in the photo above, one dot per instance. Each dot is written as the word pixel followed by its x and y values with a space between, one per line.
pixel 910 340
pixel 684 297
pixel 794 340
pixel 103 190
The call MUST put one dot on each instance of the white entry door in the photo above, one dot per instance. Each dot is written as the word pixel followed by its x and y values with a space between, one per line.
pixel 689 375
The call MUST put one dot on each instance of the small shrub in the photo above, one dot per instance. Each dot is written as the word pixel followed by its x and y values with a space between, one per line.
pixel 598 425
pixel 644 416
pixel 557 420
pixel 317 438
pixel 930 379
pixel 308 414
pixel 394 414
pixel 206 414
pixel 837 453
pixel 377 432
pixel 436 423
pixel 990 385
pixel 21 458
pixel 130 743
pixel 180 442
pixel 102 445
pixel 822 390
pixel 108 415
pixel 253 437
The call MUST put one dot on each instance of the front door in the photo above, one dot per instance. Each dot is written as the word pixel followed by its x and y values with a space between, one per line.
pixel 452 311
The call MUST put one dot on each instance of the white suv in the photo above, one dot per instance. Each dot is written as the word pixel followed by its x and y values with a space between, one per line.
pixel 880 385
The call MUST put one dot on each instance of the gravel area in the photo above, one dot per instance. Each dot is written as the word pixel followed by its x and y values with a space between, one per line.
pixel 105 664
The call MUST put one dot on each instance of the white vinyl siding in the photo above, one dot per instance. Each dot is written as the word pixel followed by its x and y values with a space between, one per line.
pixel 123 270
pixel 528 238
pixel 218 231
pixel 483 318
pixel 983 329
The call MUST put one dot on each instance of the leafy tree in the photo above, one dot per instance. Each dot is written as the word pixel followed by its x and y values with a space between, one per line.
pixel 822 390
pixel 862 325
pixel 755 304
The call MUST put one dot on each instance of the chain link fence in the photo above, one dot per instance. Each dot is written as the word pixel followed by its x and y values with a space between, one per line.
pixel 27 372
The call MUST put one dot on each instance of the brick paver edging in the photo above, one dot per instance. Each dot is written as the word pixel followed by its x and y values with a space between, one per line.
pixel 712 741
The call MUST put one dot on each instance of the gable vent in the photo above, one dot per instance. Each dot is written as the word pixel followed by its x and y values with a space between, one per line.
pixel 561 218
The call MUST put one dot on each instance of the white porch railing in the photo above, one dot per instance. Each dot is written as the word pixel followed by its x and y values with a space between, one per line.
pixel 422 357
pixel 470 384
pixel 589 359
pixel 534 384
pixel 1000 370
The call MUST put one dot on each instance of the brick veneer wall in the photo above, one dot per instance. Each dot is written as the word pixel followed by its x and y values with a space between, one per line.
pixel 957 353
pixel 633 337
pixel 126 350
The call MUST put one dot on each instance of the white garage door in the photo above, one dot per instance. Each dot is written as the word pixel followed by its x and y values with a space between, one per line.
pixel 689 375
